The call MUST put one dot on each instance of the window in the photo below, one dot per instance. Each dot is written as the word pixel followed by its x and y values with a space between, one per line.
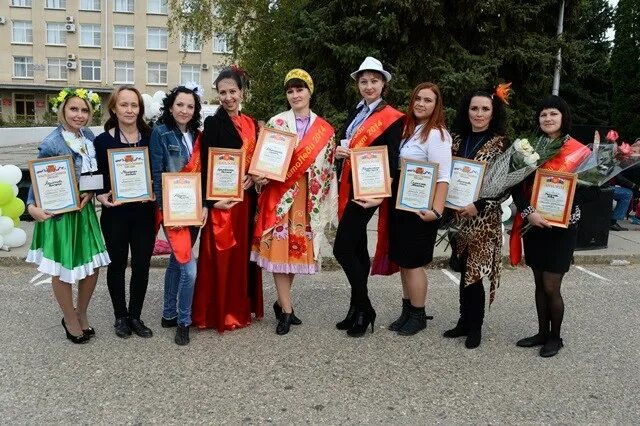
pixel 56 69
pixel 220 43
pixel 23 66
pixel 189 73
pixel 56 4
pixel 123 6
pixel 90 70
pixel 21 3
pixel 22 32
pixel 156 73
pixel 90 35
pixel 25 106
pixel 123 72
pixel 156 38
pixel 90 5
pixel 190 43
pixel 123 37
pixel 157 6
pixel 56 33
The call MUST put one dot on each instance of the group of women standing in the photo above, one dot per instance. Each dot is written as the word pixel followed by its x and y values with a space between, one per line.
pixel 279 225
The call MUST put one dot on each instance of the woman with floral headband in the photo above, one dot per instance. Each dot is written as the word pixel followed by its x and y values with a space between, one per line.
pixel 292 214
pixel 228 286
pixel 69 246
pixel 479 135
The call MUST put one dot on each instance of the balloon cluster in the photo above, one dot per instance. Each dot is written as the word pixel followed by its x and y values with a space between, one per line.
pixel 11 207
pixel 153 105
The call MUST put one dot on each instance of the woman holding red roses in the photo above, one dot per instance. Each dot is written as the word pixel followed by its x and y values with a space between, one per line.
pixel 292 215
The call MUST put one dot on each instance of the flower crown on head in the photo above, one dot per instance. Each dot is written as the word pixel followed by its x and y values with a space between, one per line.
pixel 68 92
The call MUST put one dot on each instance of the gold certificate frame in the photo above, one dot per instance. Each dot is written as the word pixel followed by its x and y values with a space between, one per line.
pixel 225 174
pixel 370 172
pixel 130 174
pixel 273 153
pixel 552 196
pixel 54 184
pixel 181 199
pixel 416 188
pixel 466 181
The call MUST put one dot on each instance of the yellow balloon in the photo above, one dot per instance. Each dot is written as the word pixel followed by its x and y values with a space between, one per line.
pixel 14 208
pixel 6 194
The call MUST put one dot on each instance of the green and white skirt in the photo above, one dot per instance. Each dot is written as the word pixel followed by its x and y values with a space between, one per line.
pixel 69 246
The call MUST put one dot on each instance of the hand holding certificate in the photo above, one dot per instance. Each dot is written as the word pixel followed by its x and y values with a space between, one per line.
pixel 181 199
pixel 225 174
pixel 552 196
pixel 416 187
pixel 466 181
pixel 54 184
pixel 272 155
pixel 370 172
pixel 130 174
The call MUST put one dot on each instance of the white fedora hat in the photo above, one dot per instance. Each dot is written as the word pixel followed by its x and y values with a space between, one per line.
pixel 371 64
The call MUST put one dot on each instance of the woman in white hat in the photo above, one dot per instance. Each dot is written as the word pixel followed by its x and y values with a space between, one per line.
pixel 371 123
pixel 292 214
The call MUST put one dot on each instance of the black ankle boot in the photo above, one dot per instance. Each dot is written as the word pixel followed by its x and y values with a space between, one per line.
pixel 284 323
pixel 277 309
pixel 417 321
pixel 182 336
pixel 551 347
pixel 348 321
pixel 529 342
pixel 457 331
pixel 404 316
pixel 363 317
pixel 473 339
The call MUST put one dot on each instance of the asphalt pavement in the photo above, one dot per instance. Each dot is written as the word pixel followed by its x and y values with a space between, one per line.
pixel 318 375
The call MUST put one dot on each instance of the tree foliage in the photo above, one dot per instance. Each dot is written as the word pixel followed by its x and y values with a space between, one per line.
pixel 458 44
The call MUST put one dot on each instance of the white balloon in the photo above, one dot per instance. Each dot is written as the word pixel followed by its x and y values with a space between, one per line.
pixel 6 225
pixel 159 96
pixel 16 238
pixel 10 174
pixel 1 240
pixel 15 190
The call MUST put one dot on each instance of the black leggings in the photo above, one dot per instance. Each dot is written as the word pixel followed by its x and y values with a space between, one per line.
pixel 350 250
pixel 549 302
pixel 472 300
pixel 123 227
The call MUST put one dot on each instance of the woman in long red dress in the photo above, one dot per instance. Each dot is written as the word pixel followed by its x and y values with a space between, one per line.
pixel 228 287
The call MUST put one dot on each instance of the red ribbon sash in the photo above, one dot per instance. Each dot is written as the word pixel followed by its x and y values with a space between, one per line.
pixel 303 157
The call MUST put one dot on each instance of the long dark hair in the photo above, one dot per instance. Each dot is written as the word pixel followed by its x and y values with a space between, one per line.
pixel 167 119
pixel 435 121
pixel 558 103
pixel 235 73
pixel 112 121
pixel 497 125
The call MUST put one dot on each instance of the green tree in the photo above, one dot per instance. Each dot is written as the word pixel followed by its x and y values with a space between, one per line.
pixel 625 69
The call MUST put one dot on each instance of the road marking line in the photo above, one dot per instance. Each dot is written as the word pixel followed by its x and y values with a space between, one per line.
pixel 38 275
pixel 593 274
pixel 451 276
pixel 45 281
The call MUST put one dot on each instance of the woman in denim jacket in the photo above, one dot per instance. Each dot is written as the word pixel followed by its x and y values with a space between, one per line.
pixel 175 147
pixel 69 246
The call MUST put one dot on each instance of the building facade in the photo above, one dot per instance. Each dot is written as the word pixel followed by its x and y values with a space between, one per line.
pixel 99 45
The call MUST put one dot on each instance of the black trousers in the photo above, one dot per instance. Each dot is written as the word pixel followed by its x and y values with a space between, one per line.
pixel 472 301
pixel 130 225
pixel 350 250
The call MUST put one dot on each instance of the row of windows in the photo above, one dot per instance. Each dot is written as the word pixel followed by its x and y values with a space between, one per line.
pixel 123 37
pixel 91 70
pixel 128 6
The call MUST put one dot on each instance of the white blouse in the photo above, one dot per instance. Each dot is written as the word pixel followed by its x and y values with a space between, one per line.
pixel 434 149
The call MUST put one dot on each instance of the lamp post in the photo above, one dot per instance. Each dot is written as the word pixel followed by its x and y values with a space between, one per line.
pixel 556 73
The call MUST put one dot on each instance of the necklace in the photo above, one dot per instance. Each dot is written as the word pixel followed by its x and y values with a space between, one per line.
pixel 468 152
pixel 135 144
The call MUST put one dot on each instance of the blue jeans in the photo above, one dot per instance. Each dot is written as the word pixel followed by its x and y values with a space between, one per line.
pixel 179 281
pixel 623 198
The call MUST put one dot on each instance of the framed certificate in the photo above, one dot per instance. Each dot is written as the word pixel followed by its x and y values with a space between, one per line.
pixel 130 174
pixel 273 152
pixel 181 199
pixel 465 184
pixel 54 184
pixel 370 172
pixel 225 174
pixel 552 195
pixel 417 184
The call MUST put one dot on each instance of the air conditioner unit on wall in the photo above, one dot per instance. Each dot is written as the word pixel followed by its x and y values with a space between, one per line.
pixel 72 65
pixel 70 19
pixel 71 57
pixel 205 66
pixel 71 28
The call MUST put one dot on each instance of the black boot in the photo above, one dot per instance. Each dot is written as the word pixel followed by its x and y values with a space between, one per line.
pixel 404 316
pixel 277 310
pixel 416 322
pixel 284 323
pixel 457 331
pixel 551 347
pixel 363 317
pixel 348 321
pixel 182 336
pixel 529 342
pixel 473 339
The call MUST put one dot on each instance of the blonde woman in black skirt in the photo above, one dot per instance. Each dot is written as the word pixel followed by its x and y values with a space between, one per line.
pixel 413 235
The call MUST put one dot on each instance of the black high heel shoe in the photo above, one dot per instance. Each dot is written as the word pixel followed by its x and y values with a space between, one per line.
pixel 277 310
pixel 349 320
pixel 363 317
pixel 89 332
pixel 75 339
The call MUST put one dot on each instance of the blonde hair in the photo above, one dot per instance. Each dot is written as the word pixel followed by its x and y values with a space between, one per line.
pixel 61 107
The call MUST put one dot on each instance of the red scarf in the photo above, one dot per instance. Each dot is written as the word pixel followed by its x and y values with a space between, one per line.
pixel 222 227
pixel 303 157
pixel 571 154
pixel 370 130
pixel 180 238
